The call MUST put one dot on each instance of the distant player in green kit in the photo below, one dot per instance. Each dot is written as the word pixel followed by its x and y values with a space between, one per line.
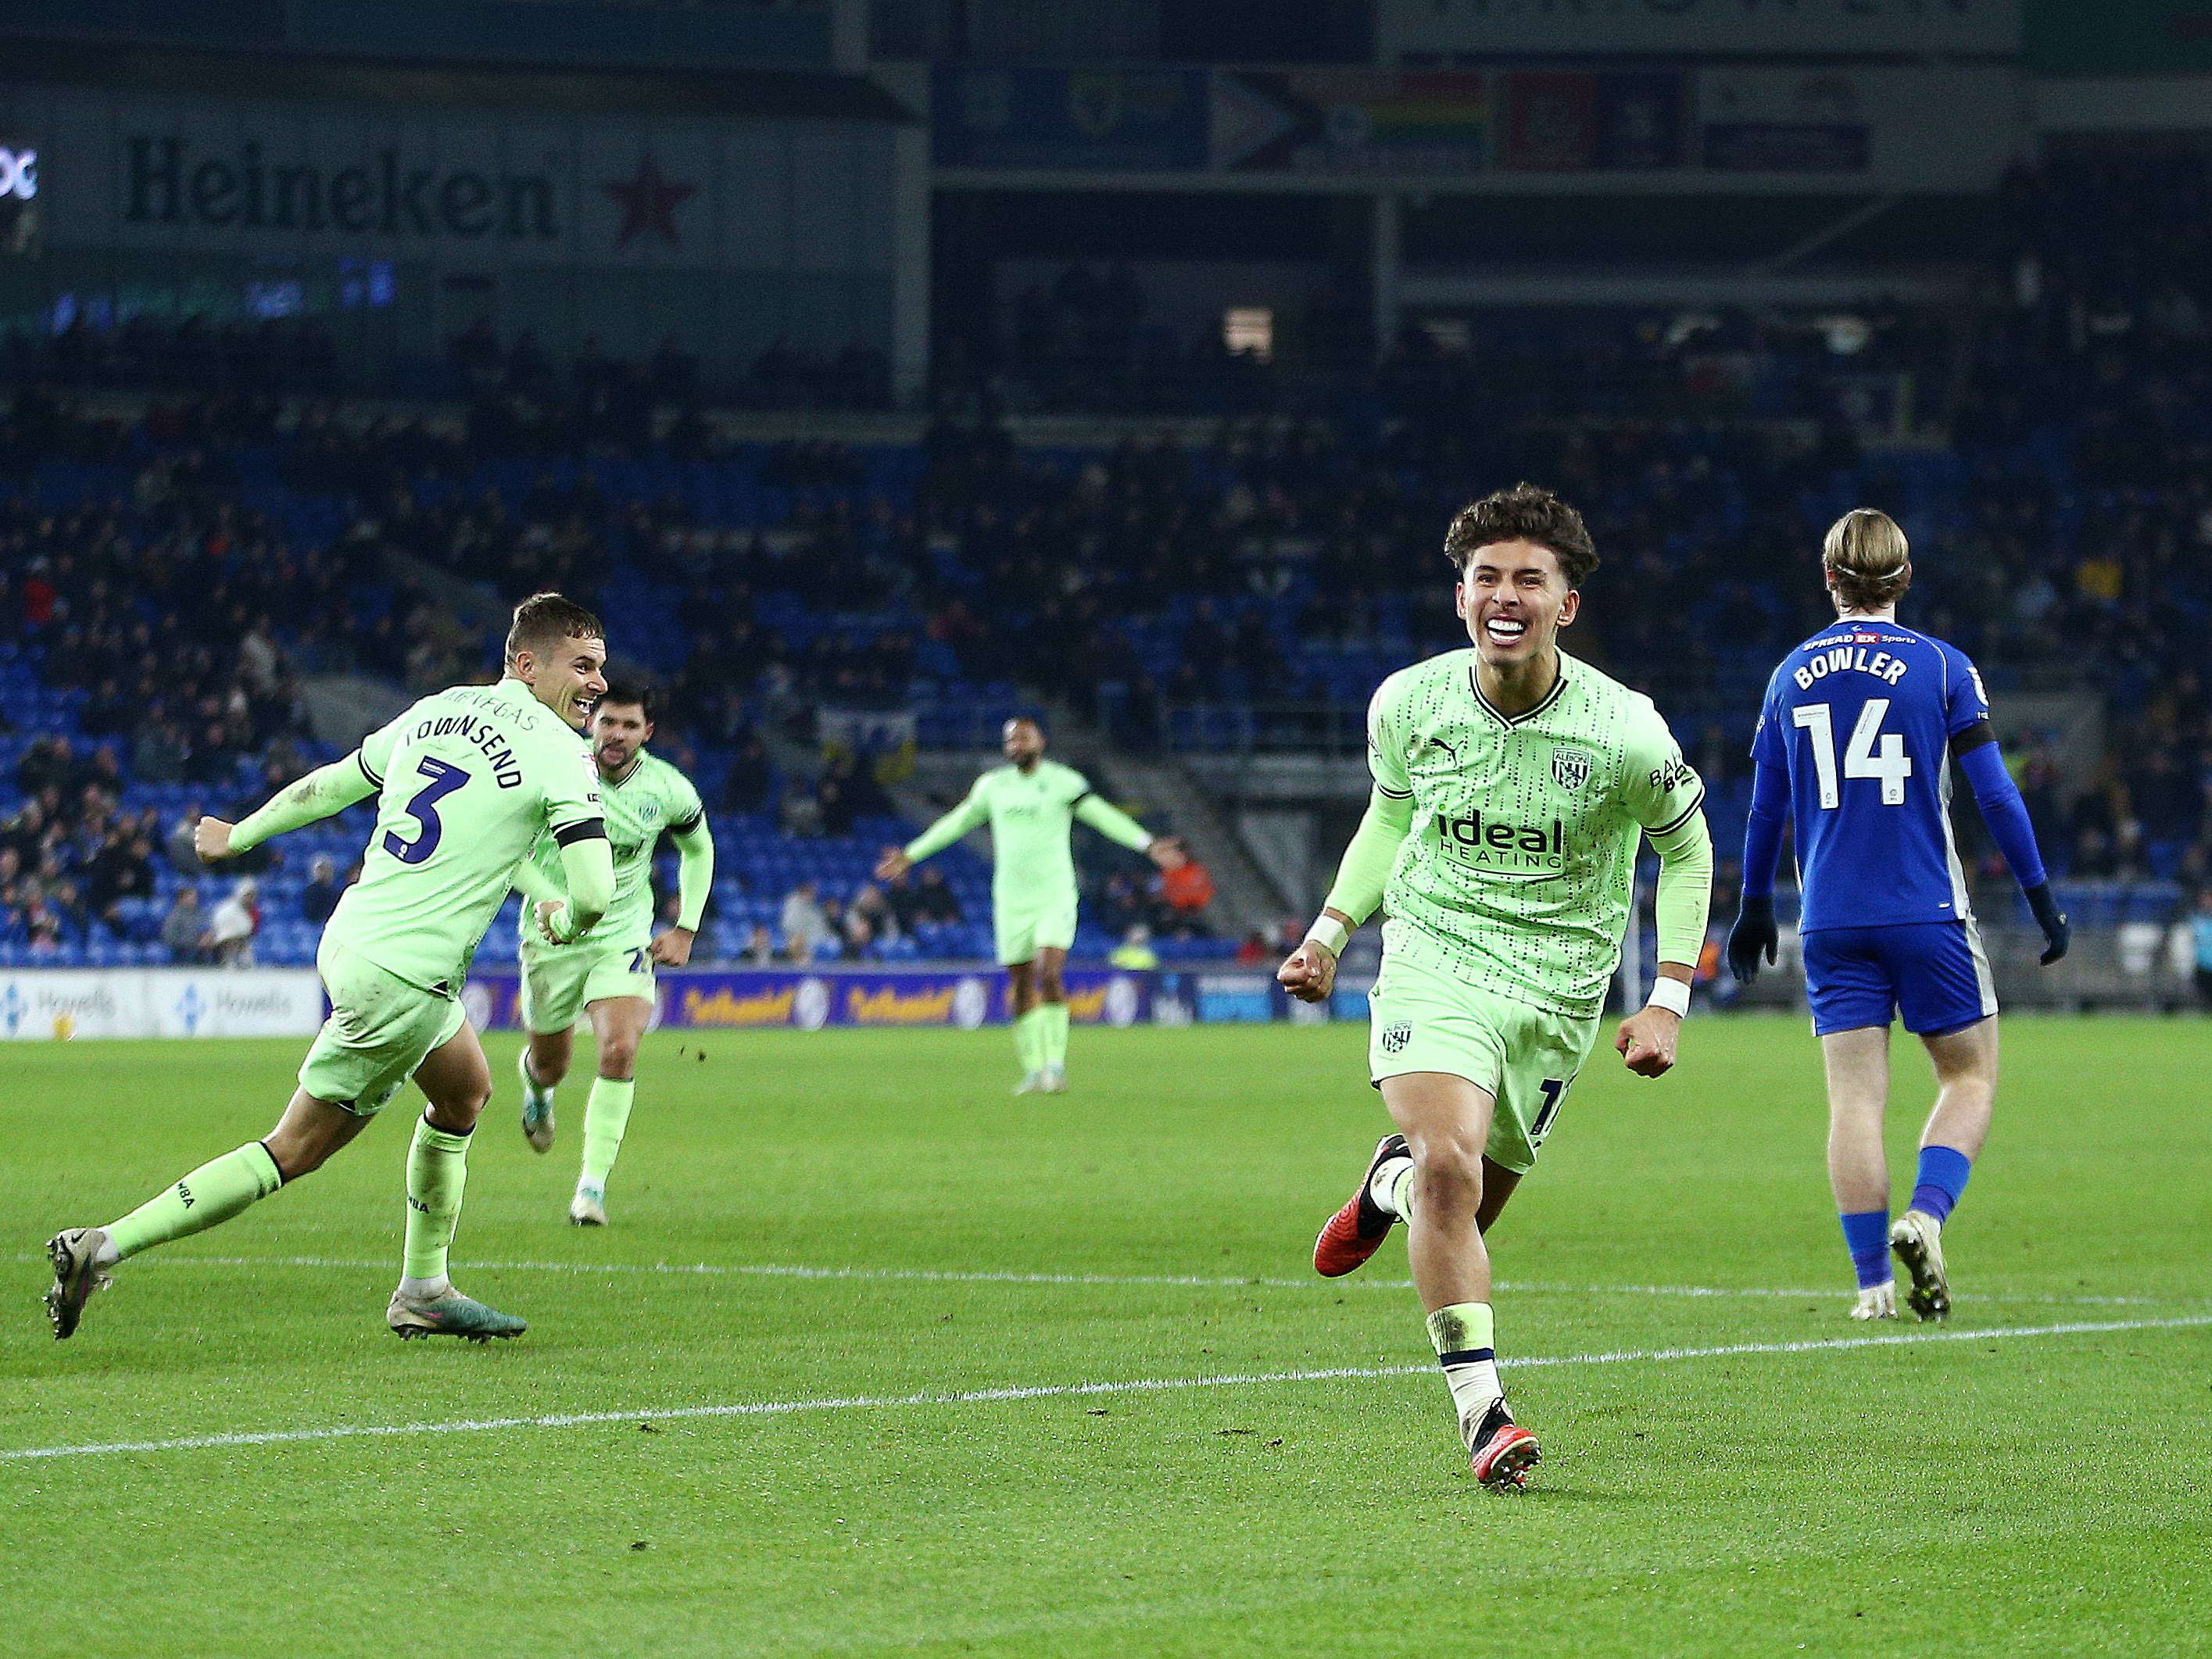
pixel 608 976
pixel 1512 786
pixel 1030 803
pixel 466 782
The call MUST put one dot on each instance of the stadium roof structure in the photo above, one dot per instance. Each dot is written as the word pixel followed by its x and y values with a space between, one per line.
pixel 720 93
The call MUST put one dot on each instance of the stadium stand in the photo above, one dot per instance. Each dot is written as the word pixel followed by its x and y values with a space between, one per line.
pixel 177 557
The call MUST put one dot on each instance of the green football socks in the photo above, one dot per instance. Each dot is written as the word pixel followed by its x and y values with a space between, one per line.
pixel 437 1174
pixel 606 1115
pixel 1053 1017
pixel 1029 1040
pixel 213 1193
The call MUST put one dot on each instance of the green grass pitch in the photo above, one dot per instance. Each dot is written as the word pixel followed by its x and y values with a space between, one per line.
pixel 2033 1490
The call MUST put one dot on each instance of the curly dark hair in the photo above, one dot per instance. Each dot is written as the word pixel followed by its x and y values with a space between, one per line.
pixel 1526 513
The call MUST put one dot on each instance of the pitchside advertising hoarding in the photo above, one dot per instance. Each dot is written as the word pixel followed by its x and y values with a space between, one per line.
pixel 961 996
pixel 45 1004
pixel 64 1003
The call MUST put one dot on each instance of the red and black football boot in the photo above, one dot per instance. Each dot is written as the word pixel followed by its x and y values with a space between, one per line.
pixel 1357 1230
pixel 1502 1451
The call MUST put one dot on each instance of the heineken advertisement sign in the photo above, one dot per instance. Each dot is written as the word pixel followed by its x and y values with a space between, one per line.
pixel 170 185
pixel 125 173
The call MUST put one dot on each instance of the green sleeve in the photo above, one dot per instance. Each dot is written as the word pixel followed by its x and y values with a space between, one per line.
pixel 1111 821
pixel 375 755
pixel 1661 791
pixel 1366 870
pixel 958 822
pixel 1686 888
pixel 532 883
pixel 695 874
pixel 1386 755
pixel 588 862
pixel 325 790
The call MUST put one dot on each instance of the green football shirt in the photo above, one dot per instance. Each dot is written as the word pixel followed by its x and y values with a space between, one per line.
pixel 1518 871
pixel 1029 813
pixel 466 782
pixel 650 797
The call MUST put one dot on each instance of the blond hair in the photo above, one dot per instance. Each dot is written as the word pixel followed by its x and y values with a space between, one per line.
pixel 1867 560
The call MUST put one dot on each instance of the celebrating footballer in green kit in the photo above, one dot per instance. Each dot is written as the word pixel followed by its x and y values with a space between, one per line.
pixel 1512 787
pixel 609 975
pixel 1030 804
pixel 466 782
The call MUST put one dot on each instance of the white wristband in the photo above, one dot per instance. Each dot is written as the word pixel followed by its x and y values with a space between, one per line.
pixel 1330 935
pixel 1672 994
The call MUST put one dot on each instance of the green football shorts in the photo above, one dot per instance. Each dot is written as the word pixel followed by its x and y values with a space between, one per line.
pixel 380 1029
pixel 1423 1019
pixel 1024 926
pixel 558 983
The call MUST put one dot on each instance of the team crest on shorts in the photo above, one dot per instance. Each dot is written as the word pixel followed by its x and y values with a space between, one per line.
pixel 1572 767
pixel 1396 1037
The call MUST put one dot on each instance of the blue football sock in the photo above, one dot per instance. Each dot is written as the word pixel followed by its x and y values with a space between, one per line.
pixel 1943 1177
pixel 1866 1236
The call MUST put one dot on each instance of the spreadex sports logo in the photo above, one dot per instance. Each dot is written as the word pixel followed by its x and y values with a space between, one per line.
pixel 1495 844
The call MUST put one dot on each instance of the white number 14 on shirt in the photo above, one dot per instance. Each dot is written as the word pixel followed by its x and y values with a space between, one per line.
pixel 1862 759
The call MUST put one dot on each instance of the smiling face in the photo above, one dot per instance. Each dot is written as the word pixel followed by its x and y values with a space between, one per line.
pixel 1515 599
pixel 568 677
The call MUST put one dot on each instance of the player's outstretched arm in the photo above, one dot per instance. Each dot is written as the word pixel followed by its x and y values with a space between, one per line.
pixel 695 879
pixel 2006 814
pixel 1309 972
pixel 1754 934
pixel 1647 1038
pixel 325 790
pixel 969 814
pixel 1111 821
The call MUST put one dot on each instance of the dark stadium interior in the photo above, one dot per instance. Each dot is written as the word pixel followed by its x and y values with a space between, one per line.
pixel 1091 501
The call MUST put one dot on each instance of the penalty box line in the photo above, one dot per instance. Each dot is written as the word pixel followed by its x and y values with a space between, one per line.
pixel 1190 1281
pixel 1061 1391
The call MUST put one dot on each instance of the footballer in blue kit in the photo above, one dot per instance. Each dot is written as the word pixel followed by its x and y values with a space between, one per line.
pixel 1854 745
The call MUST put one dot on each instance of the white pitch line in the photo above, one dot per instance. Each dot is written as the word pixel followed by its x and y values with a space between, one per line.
pixel 948 1276
pixel 1060 1390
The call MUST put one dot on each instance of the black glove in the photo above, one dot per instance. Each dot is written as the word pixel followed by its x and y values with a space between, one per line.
pixel 1752 935
pixel 2055 933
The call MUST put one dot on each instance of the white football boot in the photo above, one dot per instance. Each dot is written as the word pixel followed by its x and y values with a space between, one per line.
pixel 588 1208
pixel 1916 1240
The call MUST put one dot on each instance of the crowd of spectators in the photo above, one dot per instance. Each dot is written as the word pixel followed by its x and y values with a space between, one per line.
pixel 227 539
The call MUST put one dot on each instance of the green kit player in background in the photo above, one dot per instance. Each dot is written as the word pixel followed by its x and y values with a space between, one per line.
pixel 1030 803
pixel 466 782
pixel 1512 786
pixel 609 975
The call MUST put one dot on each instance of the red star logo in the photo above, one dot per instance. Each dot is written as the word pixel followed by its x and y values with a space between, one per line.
pixel 648 202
